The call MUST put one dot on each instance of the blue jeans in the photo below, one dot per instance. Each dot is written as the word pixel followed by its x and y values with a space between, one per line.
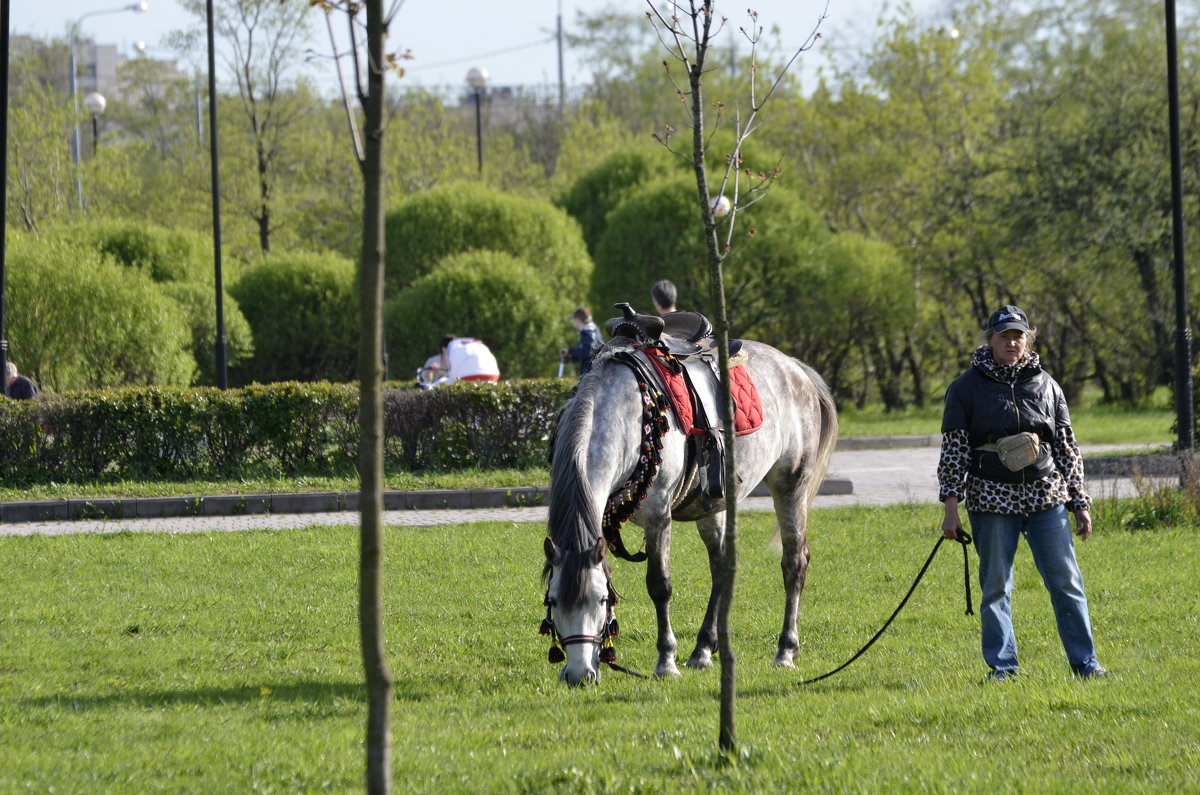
pixel 1048 534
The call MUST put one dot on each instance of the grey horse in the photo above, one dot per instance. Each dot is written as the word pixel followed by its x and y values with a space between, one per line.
pixel 597 447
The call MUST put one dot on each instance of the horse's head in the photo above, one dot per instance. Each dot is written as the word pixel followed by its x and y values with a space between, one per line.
pixel 579 611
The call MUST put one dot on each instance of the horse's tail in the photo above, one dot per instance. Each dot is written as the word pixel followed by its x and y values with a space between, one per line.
pixel 828 436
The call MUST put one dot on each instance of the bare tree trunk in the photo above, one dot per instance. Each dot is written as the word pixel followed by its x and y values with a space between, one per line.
pixel 370 465
pixel 727 735
pixel 264 204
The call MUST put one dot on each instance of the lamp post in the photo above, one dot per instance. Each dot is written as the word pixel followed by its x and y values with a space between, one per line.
pixel 136 8
pixel 95 104
pixel 220 346
pixel 477 79
pixel 1184 418
pixel 3 185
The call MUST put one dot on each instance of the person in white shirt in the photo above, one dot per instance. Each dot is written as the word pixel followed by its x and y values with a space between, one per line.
pixel 467 359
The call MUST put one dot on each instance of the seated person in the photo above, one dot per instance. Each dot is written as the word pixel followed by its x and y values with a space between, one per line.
pixel 17 386
pixel 467 359
pixel 430 373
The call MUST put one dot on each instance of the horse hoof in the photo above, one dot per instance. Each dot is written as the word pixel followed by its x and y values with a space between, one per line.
pixel 784 660
pixel 700 660
pixel 666 671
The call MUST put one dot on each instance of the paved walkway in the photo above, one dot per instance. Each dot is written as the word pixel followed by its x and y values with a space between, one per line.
pixel 878 477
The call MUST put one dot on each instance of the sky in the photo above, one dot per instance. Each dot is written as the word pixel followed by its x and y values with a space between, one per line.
pixel 512 39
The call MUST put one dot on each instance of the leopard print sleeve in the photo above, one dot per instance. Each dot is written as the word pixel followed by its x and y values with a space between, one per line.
pixel 1069 462
pixel 953 465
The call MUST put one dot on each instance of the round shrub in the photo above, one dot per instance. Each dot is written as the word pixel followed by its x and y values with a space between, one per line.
pixel 168 255
pixel 199 304
pixel 77 320
pixel 590 199
pixel 657 233
pixel 489 295
pixel 428 227
pixel 303 311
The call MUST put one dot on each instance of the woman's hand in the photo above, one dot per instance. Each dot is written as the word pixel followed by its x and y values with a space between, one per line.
pixel 1083 523
pixel 951 524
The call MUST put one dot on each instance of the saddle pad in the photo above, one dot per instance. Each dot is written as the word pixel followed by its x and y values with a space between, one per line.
pixel 748 410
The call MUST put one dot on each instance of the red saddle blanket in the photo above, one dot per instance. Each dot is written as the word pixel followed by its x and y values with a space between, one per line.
pixel 747 404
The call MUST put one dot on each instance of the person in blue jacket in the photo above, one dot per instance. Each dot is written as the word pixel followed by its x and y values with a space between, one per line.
pixel 1009 454
pixel 589 340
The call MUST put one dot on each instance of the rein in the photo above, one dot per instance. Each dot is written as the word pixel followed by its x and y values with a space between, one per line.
pixel 963 538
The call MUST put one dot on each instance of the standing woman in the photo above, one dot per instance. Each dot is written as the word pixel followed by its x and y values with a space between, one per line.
pixel 1009 453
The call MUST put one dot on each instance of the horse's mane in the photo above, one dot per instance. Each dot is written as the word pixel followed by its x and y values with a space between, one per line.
pixel 574 522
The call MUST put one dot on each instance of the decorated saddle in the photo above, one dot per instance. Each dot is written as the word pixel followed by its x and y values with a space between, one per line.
pixel 681 352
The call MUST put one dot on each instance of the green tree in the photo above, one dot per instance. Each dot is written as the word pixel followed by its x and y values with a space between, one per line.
pixel 40 175
pixel 1092 217
pixel 913 155
pixel 263 56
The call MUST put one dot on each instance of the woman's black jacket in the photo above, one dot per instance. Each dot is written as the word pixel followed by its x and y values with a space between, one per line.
pixel 989 408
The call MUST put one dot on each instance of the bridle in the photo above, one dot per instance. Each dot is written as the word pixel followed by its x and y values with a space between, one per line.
pixel 608 650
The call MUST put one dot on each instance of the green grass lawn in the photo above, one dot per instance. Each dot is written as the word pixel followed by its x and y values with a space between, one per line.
pixel 1092 424
pixel 228 662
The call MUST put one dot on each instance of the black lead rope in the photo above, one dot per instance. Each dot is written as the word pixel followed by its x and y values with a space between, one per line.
pixel 964 539
pixel 624 670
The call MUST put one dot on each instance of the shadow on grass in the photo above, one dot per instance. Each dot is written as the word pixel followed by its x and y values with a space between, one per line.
pixel 295 692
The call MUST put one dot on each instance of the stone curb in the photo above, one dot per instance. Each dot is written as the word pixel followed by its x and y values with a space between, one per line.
pixel 319 502
pixel 888 442
pixel 1126 466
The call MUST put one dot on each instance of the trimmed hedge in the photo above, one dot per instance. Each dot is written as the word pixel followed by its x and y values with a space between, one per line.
pixel 278 430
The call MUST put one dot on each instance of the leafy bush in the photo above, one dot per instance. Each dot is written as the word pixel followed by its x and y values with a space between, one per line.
pixel 428 227
pixel 277 430
pixel 485 294
pixel 199 303
pixel 655 233
pixel 77 320
pixel 594 195
pixel 167 255
pixel 303 311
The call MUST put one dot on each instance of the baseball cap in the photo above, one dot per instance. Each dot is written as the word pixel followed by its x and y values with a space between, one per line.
pixel 1007 318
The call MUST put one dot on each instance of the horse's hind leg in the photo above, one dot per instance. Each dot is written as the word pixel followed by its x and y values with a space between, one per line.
pixel 712 531
pixel 791 511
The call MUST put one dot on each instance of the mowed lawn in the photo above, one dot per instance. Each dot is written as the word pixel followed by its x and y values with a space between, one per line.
pixel 228 662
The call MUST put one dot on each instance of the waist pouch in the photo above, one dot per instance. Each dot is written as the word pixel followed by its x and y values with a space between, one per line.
pixel 1017 451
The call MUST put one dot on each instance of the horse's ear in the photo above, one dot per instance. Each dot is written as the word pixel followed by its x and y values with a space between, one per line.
pixel 599 550
pixel 551 551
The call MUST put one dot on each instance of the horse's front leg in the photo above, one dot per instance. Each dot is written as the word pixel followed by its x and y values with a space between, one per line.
pixel 658 584
pixel 712 531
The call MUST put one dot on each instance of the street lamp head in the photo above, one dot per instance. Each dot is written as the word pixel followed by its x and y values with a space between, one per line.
pixel 949 32
pixel 95 103
pixel 139 8
pixel 477 78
